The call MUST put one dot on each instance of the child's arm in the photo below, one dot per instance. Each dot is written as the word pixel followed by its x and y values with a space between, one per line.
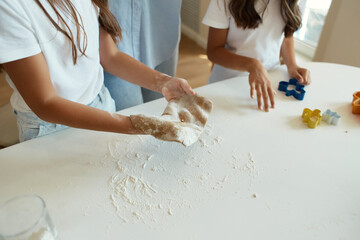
pixel 31 78
pixel 129 69
pixel 258 79
pixel 287 52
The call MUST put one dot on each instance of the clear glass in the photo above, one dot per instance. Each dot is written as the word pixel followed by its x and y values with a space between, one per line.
pixel 26 218
pixel 313 17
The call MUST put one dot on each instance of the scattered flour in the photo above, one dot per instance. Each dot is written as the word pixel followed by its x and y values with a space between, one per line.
pixel 218 139
pixel 132 197
pixel 203 143
pixel 148 188
pixel 170 212
pixel 250 167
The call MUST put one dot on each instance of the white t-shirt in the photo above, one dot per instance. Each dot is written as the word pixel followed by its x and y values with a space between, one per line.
pixel 26 31
pixel 262 43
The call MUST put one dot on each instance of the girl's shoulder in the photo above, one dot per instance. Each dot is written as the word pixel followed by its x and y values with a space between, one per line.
pixel 16 8
pixel 15 4
pixel 221 5
pixel 217 14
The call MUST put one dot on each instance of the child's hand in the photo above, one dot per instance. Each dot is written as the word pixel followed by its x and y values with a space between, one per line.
pixel 176 87
pixel 301 74
pixel 182 121
pixel 167 129
pixel 259 81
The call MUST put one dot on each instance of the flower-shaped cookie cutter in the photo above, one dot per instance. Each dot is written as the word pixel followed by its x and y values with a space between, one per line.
pixel 356 103
pixel 331 117
pixel 312 118
pixel 298 92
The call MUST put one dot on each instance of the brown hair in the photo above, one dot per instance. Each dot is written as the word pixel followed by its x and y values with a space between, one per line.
pixel 106 21
pixel 246 16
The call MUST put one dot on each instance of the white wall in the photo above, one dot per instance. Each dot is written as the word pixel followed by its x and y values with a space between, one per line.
pixel 200 36
pixel 204 30
pixel 2 76
pixel 340 38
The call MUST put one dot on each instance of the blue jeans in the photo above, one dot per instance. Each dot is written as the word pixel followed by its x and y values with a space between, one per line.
pixel 128 95
pixel 31 126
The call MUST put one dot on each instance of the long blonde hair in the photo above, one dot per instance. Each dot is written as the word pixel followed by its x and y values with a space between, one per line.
pixel 106 20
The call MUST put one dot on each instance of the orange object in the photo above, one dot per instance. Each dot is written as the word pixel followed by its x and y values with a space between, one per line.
pixel 356 103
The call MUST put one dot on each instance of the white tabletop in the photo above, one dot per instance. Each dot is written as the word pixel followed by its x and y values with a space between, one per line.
pixel 252 175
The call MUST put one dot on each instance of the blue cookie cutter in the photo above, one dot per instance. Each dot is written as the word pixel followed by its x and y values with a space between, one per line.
pixel 298 92
pixel 331 117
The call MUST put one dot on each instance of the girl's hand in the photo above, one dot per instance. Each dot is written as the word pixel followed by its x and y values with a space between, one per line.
pixel 259 81
pixel 301 74
pixel 176 87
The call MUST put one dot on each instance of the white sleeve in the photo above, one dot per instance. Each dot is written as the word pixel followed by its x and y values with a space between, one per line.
pixel 217 14
pixel 17 37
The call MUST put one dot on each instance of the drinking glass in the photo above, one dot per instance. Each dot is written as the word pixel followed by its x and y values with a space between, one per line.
pixel 26 218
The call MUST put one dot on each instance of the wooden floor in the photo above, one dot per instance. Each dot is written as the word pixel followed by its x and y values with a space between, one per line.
pixel 5 90
pixel 193 66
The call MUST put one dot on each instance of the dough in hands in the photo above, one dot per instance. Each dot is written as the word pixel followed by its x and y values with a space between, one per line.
pixel 183 120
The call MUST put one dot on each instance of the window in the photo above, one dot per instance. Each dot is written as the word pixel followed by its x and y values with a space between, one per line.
pixel 313 17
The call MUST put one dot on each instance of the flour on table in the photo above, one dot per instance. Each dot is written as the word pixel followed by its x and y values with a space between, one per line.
pixel 203 177
pixel 250 167
pixel 170 212
pixel 137 195
pixel 157 168
pixel 218 139
pixel 225 179
pixel 152 182
pixel 203 143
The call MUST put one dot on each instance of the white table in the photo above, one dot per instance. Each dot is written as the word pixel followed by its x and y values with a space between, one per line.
pixel 253 175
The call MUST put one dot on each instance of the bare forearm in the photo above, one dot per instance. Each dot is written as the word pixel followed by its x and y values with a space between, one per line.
pixel 128 68
pixel 229 59
pixel 287 52
pixel 258 76
pixel 31 78
pixel 62 111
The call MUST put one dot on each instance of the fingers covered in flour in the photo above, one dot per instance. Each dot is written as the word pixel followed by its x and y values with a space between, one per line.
pixel 189 108
pixel 167 130
pixel 157 127
pixel 183 120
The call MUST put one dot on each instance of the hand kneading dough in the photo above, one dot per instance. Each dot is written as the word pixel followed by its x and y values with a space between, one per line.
pixel 183 120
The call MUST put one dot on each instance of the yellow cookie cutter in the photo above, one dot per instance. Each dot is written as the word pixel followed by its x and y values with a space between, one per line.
pixel 356 103
pixel 312 118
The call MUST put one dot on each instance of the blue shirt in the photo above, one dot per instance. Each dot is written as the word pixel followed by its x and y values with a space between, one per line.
pixel 150 28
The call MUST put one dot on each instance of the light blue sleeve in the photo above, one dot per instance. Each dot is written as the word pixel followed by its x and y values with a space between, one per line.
pixel 127 18
pixel 151 28
pixel 161 31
